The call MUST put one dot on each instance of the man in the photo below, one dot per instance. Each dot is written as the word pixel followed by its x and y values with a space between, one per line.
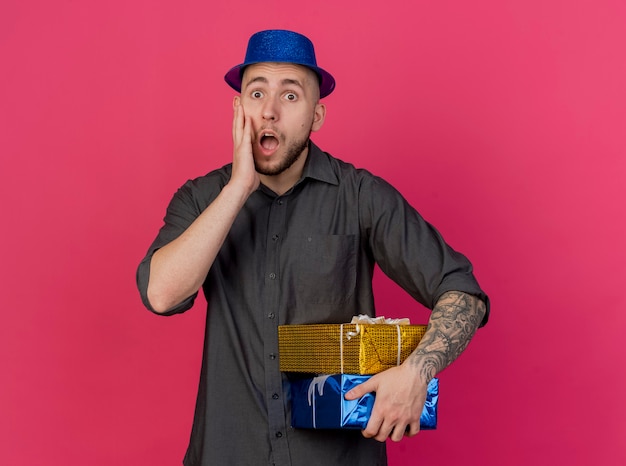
pixel 288 234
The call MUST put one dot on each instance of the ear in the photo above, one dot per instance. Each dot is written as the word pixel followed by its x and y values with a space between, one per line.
pixel 318 117
pixel 236 101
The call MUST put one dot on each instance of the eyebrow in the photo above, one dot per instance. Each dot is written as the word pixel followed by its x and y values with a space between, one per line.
pixel 284 82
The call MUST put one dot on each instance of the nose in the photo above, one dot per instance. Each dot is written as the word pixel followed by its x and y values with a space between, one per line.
pixel 270 111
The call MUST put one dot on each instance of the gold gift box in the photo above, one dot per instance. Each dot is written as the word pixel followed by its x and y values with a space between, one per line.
pixel 346 348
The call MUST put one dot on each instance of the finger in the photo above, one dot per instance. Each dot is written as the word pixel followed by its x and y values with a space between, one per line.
pixel 384 432
pixel 372 429
pixel 238 122
pixel 235 118
pixel 412 430
pixel 398 432
pixel 360 390
pixel 247 131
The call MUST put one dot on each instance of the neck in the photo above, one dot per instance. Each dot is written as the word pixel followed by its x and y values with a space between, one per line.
pixel 286 180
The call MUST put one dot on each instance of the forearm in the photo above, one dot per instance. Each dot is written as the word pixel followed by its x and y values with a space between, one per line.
pixel 178 269
pixel 452 324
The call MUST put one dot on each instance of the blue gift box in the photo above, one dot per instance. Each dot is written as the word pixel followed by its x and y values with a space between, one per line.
pixel 319 403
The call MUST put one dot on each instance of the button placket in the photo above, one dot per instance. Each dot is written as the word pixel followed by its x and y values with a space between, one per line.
pixel 273 377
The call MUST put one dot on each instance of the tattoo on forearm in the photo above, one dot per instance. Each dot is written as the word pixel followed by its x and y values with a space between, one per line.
pixel 452 325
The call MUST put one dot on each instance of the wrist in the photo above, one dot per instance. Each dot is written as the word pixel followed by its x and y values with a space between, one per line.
pixel 238 191
pixel 423 367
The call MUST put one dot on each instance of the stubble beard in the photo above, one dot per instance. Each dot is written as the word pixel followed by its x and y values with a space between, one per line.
pixel 294 151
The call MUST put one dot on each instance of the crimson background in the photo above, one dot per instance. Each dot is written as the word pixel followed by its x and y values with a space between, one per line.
pixel 501 121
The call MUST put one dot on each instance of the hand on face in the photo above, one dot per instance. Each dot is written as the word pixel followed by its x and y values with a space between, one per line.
pixel 244 171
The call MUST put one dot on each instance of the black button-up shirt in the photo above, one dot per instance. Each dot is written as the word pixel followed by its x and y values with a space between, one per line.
pixel 304 257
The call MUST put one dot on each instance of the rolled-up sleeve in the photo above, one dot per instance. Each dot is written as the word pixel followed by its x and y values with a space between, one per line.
pixel 186 205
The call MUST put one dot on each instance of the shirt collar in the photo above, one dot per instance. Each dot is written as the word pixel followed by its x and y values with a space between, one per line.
pixel 318 166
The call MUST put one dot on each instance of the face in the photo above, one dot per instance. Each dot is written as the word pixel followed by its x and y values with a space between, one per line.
pixel 282 101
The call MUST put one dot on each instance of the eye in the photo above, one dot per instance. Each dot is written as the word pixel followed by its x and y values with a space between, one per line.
pixel 256 94
pixel 291 97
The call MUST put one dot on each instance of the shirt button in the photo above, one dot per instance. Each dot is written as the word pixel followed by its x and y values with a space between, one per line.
pixel 275 396
pixel 280 202
pixel 274 238
pixel 279 434
pixel 272 356
pixel 272 276
pixel 271 315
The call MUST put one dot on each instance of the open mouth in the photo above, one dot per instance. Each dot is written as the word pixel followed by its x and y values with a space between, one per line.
pixel 268 141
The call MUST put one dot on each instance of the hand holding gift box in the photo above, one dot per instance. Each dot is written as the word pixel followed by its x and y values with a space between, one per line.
pixel 365 346
pixel 320 403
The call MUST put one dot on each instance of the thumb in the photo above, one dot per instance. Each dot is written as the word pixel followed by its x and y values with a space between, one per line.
pixel 361 389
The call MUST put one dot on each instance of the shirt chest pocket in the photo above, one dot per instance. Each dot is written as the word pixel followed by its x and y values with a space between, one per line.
pixel 322 268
